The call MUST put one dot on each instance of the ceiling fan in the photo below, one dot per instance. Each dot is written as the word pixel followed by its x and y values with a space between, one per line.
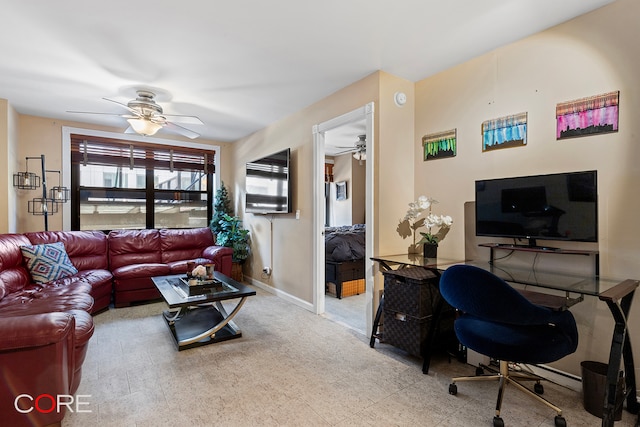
pixel 359 149
pixel 146 117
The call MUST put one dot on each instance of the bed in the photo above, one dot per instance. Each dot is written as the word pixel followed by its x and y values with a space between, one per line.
pixel 344 255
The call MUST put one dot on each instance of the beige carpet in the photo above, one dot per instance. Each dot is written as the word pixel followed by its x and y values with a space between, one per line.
pixel 290 368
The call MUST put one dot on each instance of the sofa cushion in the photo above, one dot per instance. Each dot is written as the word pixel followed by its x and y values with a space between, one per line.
pixel 87 250
pixel 12 271
pixel 22 304
pixel 127 247
pixel 184 243
pixel 135 271
pixel 47 262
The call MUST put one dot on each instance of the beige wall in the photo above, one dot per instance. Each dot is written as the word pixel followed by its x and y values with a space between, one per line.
pixel 38 135
pixel 394 165
pixel 11 199
pixel 593 54
pixel 341 210
pixel 8 142
pixel 358 191
pixel 4 159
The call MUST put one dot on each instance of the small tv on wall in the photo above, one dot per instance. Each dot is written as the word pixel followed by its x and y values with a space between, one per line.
pixel 561 206
pixel 268 184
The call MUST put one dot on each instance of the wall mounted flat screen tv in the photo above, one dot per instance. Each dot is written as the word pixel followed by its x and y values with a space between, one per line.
pixel 268 184
pixel 561 206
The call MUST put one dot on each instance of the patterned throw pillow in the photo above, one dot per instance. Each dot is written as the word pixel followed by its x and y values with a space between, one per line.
pixel 47 262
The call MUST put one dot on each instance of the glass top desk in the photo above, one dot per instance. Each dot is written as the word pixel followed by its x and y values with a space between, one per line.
pixel 617 294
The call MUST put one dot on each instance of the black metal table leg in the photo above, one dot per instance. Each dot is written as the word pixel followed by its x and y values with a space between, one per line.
pixel 427 346
pixel 376 323
pixel 620 350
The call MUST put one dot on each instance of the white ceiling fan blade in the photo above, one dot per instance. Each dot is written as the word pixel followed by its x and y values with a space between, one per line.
pixel 92 112
pixel 188 120
pixel 353 150
pixel 181 130
pixel 136 113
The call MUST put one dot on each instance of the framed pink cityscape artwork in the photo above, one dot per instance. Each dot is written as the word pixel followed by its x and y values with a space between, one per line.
pixel 588 116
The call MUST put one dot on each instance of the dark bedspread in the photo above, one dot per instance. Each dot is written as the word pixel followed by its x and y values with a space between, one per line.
pixel 344 243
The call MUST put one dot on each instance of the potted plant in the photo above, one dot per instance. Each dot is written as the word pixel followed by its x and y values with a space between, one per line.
pixel 233 235
pixel 411 223
pixel 221 207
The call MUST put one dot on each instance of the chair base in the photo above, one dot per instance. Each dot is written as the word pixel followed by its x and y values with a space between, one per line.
pixel 504 377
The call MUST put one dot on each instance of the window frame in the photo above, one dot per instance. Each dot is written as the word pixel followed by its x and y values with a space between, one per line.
pixel 212 173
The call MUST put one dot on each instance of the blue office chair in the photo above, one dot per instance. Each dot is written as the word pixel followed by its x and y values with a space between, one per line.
pixel 495 320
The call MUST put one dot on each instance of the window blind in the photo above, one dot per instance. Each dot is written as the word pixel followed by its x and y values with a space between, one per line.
pixel 91 150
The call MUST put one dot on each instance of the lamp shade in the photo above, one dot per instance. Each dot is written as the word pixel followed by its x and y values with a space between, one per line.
pixel 144 126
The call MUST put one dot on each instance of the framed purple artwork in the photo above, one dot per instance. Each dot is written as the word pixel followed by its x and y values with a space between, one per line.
pixel 588 116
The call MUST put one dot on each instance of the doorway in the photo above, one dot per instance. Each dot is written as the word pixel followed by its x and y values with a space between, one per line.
pixel 360 119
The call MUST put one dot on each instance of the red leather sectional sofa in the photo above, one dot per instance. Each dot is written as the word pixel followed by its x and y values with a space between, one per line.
pixel 135 256
pixel 45 328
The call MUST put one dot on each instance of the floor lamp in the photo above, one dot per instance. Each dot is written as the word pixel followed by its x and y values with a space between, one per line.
pixel 44 205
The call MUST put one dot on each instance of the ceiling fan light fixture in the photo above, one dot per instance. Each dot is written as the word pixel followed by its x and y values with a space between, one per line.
pixel 361 149
pixel 144 126
pixel 360 155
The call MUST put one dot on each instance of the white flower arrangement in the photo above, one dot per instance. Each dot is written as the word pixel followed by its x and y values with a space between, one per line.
pixel 443 222
pixel 432 220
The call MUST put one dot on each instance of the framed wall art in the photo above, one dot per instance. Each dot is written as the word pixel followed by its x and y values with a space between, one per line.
pixel 439 145
pixel 588 116
pixel 504 132
pixel 341 190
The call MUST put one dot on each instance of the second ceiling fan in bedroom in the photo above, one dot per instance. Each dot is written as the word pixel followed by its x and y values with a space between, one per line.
pixel 146 116
pixel 359 149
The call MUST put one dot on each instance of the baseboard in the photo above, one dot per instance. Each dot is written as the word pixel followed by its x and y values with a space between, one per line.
pixel 279 293
pixel 565 379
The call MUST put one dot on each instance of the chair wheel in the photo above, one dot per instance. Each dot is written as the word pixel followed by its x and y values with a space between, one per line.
pixel 453 389
pixel 560 421
pixel 538 388
pixel 479 371
pixel 498 422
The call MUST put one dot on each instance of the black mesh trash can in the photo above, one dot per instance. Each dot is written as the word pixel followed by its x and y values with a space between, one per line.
pixel 594 384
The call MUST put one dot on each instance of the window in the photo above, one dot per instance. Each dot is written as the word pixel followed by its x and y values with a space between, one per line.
pixel 124 184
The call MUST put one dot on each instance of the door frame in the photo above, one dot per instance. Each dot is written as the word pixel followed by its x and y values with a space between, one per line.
pixel 367 113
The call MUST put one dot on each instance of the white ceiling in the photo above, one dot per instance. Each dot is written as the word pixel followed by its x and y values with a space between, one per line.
pixel 343 139
pixel 241 65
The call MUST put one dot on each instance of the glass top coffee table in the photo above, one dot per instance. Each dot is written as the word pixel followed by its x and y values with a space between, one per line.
pixel 201 319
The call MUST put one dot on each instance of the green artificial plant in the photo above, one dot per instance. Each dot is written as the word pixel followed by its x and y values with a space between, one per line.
pixel 221 207
pixel 232 234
